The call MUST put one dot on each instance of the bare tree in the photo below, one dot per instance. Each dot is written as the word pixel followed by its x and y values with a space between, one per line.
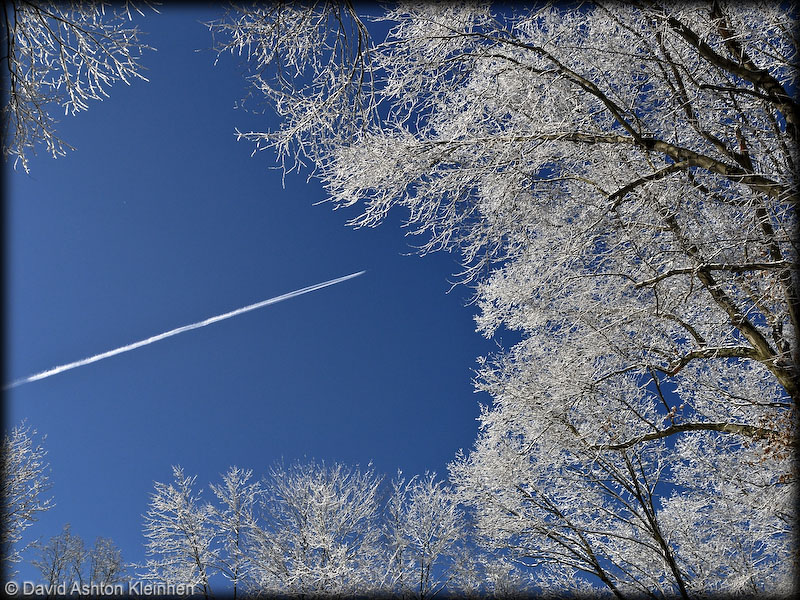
pixel 320 531
pixel 426 530
pixel 180 535
pixel 235 521
pixel 311 61
pixel 312 529
pixel 66 561
pixel 60 56
pixel 25 484
pixel 620 182
pixel 60 560
pixel 106 566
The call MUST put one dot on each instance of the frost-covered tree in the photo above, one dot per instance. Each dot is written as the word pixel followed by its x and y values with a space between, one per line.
pixel 106 566
pixel 320 532
pixel 426 531
pixel 60 560
pixel 311 60
pixel 235 521
pixel 619 180
pixel 181 537
pixel 60 56
pixel 24 487
pixel 65 560
pixel 313 529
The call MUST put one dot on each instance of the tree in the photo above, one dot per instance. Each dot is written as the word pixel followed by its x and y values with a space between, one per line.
pixel 311 529
pixel 25 483
pixel 64 560
pixel 61 54
pixel 619 180
pixel 426 530
pixel 180 535
pixel 235 522
pixel 311 60
pixel 106 566
pixel 61 559
pixel 320 533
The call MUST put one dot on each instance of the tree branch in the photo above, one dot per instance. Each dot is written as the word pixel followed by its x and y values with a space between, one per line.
pixel 746 70
pixel 735 428
pixel 717 352
pixel 779 265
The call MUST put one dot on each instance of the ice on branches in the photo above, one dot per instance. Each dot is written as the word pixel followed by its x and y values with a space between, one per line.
pixel 619 181
pixel 59 56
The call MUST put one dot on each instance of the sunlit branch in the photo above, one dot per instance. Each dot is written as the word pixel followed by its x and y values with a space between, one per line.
pixel 733 428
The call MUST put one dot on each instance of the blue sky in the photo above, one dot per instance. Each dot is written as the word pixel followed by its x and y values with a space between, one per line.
pixel 159 219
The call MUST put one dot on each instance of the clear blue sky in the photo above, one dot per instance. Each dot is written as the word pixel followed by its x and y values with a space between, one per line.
pixel 159 219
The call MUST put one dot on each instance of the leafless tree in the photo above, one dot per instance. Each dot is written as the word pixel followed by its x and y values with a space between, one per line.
pixel 619 179
pixel 320 531
pixel 61 559
pixel 25 485
pixel 60 56
pixel 65 560
pixel 234 519
pixel 180 535
pixel 425 530
pixel 106 566
pixel 311 61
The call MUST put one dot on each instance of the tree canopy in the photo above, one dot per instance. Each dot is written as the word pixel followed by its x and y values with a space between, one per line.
pixel 60 54
pixel 619 181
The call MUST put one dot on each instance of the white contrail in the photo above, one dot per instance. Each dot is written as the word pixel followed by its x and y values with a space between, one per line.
pixel 171 332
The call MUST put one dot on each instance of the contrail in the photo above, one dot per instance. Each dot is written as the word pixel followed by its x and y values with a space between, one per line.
pixel 176 331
